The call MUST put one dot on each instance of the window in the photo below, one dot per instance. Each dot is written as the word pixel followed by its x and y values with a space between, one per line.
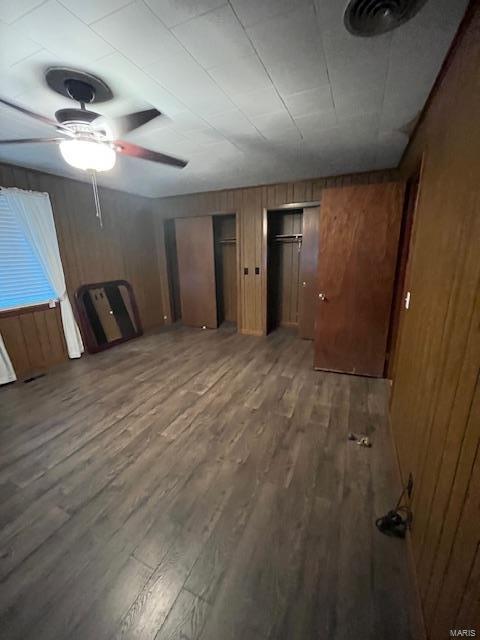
pixel 23 281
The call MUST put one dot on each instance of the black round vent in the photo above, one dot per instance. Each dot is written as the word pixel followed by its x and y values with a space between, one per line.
pixel 373 17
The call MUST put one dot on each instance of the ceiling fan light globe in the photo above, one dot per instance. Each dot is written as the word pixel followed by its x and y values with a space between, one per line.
pixel 86 154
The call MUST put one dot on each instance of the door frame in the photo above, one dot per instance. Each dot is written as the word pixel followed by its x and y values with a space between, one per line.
pixel 265 212
pixel 407 243
pixel 226 212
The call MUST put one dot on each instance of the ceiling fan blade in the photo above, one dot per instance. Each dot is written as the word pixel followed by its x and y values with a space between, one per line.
pixel 133 150
pixel 114 127
pixel 31 140
pixel 132 121
pixel 32 114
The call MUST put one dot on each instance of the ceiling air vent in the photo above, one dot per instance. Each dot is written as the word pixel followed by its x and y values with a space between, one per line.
pixel 373 17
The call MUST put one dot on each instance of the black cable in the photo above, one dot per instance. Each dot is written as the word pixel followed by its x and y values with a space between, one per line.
pixel 396 522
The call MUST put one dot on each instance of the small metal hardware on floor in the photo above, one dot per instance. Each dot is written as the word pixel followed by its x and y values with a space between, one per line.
pixel 361 440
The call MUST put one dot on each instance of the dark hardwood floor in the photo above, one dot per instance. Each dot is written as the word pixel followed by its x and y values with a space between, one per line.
pixel 198 485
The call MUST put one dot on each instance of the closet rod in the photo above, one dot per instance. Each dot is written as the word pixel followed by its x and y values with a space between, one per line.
pixel 281 236
pixel 288 239
pixel 227 241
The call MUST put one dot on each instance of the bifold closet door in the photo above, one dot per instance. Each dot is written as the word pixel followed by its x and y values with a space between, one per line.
pixel 308 272
pixel 359 231
pixel 196 271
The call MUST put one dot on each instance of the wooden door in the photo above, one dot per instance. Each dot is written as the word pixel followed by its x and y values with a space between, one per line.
pixel 308 272
pixel 359 232
pixel 196 271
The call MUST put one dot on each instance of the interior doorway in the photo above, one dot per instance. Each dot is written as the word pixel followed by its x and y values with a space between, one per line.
pixel 225 242
pixel 202 264
pixel 292 248
pixel 401 293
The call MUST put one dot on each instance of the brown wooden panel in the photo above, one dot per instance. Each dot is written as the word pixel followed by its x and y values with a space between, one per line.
pixel 34 339
pixel 468 616
pixel 462 576
pixel 251 259
pixel 196 269
pixel 435 407
pixel 58 348
pixel 13 338
pixel 359 230
pixel 308 272
pixel 43 335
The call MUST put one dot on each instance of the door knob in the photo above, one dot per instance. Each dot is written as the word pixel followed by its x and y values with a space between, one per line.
pixel 304 284
pixel 322 297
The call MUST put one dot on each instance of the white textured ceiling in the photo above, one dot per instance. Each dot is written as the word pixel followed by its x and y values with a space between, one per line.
pixel 254 91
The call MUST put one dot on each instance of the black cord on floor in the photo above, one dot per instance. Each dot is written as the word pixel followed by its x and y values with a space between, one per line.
pixel 396 522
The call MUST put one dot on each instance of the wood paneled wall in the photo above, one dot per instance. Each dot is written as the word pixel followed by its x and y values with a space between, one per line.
pixel 435 408
pixel 124 248
pixel 34 339
pixel 249 204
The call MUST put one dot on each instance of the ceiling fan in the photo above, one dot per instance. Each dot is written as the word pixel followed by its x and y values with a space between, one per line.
pixel 88 141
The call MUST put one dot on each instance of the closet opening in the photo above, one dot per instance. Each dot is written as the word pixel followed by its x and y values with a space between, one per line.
pixel 283 268
pixel 225 243
pixel 202 257
pixel 292 255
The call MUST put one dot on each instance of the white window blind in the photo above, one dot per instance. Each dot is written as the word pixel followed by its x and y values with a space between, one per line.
pixel 22 279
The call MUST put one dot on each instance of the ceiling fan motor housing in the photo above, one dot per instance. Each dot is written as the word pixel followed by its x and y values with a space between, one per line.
pixel 65 116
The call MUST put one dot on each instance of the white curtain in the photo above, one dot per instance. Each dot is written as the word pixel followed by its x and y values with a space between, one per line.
pixel 34 213
pixel 7 374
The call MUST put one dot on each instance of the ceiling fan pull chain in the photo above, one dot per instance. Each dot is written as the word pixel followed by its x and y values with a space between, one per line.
pixel 96 198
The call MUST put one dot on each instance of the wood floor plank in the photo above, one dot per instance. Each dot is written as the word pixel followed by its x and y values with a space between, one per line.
pixel 186 618
pixel 198 485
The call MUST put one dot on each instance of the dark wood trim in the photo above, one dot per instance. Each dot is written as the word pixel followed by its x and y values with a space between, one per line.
pixel 19 311
pixel 264 270
pixel 412 195
pixel 296 205
pixel 462 28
